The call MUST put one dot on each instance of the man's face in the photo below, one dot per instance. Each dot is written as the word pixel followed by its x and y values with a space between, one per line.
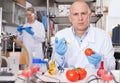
pixel 30 16
pixel 79 16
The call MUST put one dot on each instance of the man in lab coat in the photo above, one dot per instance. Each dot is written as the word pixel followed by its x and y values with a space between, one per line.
pixel 70 43
pixel 32 34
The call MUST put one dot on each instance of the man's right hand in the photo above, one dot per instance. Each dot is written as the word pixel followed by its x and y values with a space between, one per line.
pixel 60 46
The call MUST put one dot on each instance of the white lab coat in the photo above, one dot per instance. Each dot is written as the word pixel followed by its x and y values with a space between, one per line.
pixel 96 39
pixel 34 43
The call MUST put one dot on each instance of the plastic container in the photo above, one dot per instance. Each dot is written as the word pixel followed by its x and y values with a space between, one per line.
pixel 43 66
pixel 40 64
pixel 35 65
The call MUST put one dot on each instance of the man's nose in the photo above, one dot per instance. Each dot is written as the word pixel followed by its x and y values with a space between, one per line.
pixel 80 17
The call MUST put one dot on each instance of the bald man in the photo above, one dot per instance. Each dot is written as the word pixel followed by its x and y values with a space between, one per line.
pixel 80 36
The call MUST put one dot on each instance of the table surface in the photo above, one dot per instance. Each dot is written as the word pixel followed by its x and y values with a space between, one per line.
pixel 62 78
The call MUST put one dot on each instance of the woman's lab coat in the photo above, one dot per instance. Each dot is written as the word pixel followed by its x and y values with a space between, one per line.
pixel 34 43
pixel 96 39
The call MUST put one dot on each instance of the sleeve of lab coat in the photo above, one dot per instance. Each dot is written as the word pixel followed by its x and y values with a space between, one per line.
pixel 108 52
pixel 39 34
pixel 20 37
pixel 58 58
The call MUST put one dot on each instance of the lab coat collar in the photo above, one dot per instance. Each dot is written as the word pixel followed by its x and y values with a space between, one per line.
pixel 90 34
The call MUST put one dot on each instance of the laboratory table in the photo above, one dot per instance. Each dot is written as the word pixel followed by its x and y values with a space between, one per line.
pixel 60 78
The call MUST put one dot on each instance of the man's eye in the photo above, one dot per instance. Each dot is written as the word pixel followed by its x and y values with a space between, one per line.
pixel 75 14
pixel 83 13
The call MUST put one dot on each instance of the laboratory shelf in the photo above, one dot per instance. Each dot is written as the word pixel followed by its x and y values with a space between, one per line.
pixel 95 18
pixel 60 19
pixel 65 20
pixel 70 1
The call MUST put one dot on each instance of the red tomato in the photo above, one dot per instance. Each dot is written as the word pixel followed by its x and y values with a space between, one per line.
pixel 72 75
pixel 82 73
pixel 88 52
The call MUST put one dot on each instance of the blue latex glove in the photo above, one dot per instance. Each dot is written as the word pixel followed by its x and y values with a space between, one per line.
pixel 19 29
pixel 60 46
pixel 94 58
pixel 28 29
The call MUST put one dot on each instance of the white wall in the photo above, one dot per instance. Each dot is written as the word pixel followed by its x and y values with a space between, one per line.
pixel 114 8
pixel 113 18
pixel 105 2
pixel 10 29
pixel 111 22
pixel 40 8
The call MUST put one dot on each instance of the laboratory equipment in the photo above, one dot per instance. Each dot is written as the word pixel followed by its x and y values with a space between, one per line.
pixel 27 76
pixel 13 63
pixel 101 71
pixel 26 53
pixel 106 78
pixel 52 68
pixel 13 60
pixel 5 72
pixel 40 64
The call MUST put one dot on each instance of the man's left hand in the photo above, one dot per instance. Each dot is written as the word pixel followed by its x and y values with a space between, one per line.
pixel 94 58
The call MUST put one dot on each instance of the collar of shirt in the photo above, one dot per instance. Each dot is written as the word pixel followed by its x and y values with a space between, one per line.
pixel 78 38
